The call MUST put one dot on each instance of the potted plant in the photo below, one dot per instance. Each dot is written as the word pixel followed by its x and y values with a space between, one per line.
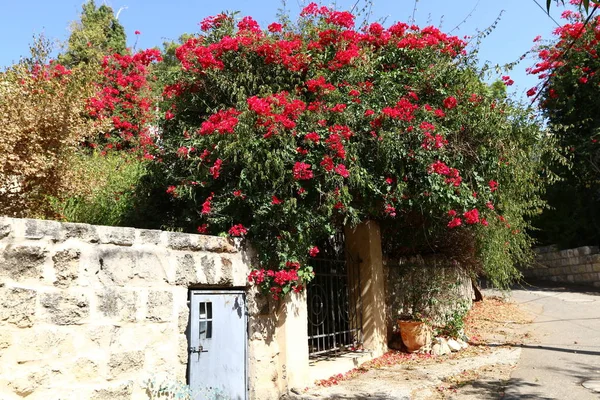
pixel 417 302
pixel 415 332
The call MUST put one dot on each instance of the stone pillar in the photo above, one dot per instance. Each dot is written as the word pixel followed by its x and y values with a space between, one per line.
pixel 363 243
pixel 292 336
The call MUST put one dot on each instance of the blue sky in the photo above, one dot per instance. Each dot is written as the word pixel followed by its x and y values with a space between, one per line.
pixel 158 20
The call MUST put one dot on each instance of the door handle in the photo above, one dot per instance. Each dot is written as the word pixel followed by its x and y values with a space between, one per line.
pixel 198 349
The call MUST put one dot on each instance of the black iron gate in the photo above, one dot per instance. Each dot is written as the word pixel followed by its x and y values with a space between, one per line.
pixel 334 307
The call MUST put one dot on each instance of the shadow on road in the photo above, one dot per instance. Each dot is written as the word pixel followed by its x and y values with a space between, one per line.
pixel 494 389
pixel 580 371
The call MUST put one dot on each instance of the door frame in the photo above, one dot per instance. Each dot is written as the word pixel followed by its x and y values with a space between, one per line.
pixel 212 291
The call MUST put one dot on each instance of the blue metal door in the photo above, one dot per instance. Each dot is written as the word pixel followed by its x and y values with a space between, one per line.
pixel 218 337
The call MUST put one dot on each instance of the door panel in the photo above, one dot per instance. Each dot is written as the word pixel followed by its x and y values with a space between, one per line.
pixel 217 353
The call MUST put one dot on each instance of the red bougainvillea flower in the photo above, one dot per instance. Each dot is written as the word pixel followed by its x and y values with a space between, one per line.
pixel 390 210
pixel 454 223
pixel 275 200
pixel 484 222
pixel 256 276
pixel 452 213
pixel 302 171
pixel 206 206
pixel 275 27
pixel 238 230
pixel 215 170
pixel 313 251
pixel 450 102
pixel 203 229
pixel 439 168
pixel 493 185
pixel 341 18
pixel 471 217
pixel 327 163
pixel 313 137
pixel 507 81
pixel 341 170
pixel 172 190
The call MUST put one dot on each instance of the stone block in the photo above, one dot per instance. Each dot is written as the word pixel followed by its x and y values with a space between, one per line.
pixel 38 229
pixel 577 269
pixel 119 266
pixel 181 241
pixel 20 262
pixel 65 308
pixel 183 319
pixel 84 232
pixel 118 304
pixel 5 227
pixel 6 338
pixel 43 343
pixel 116 235
pixel 66 267
pixel 121 391
pixel 85 369
pixel 25 385
pixel 217 244
pixel 226 277
pixel 210 269
pixel 182 347
pixel 160 306
pixel 150 266
pixel 116 266
pixel 566 253
pixel 257 304
pixel 148 236
pixel 596 267
pixel 17 306
pixel 186 273
pixel 103 335
pixel 124 363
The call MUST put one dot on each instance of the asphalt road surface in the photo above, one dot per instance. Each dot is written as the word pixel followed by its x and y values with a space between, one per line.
pixel 563 362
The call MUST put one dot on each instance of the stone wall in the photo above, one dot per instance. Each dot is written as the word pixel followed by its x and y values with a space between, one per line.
pixel 91 312
pixel 425 283
pixel 579 266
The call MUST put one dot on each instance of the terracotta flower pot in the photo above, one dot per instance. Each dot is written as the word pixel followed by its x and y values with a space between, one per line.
pixel 415 335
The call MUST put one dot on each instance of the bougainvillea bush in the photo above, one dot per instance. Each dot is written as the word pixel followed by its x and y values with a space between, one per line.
pixel 283 135
pixel 568 96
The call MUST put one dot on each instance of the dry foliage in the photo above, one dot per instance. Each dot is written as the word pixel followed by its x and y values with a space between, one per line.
pixel 497 320
pixel 42 122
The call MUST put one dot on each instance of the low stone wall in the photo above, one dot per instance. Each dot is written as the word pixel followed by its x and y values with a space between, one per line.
pixel 579 266
pixel 91 312
pixel 425 283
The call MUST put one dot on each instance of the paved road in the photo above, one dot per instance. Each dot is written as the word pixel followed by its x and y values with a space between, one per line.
pixel 565 353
